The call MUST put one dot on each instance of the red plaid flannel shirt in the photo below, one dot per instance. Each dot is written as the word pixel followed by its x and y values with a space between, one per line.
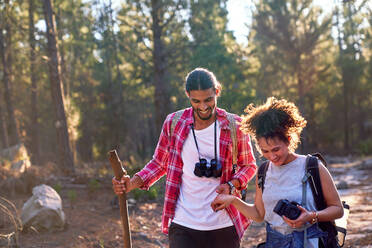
pixel 167 160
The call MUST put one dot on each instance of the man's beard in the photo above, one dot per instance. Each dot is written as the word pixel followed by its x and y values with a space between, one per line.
pixel 204 118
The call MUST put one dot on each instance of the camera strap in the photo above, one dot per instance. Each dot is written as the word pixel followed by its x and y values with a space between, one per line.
pixel 215 137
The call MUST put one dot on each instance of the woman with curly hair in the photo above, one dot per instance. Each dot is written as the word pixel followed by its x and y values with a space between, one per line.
pixel 276 127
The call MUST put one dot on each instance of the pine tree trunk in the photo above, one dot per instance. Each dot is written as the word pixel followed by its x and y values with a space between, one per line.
pixel 3 130
pixel 344 88
pixel 65 80
pixel 65 157
pixel 3 127
pixel 118 99
pixel 35 144
pixel 85 142
pixel 162 102
pixel 6 58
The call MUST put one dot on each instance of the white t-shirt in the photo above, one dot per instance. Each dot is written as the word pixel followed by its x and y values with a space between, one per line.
pixel 193 208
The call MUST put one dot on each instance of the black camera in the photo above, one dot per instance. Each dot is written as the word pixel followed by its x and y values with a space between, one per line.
pixel 288 209
pixel 203 170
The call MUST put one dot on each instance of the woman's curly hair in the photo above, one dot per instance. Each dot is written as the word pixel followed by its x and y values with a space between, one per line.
pixel 275 118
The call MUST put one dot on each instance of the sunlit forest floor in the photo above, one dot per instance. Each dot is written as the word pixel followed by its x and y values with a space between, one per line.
pixel 94 221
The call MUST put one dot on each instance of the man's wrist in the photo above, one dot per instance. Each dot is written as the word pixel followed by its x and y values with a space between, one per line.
pixel 236 183
pixel 136 182
pixel 231 187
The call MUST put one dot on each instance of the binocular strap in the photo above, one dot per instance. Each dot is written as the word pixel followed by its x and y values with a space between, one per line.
pixel 215 137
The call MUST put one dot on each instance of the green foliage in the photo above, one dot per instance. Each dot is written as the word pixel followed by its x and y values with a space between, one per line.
pixel 57 187
pixel 72 196
pixel 109 70
pixel 352 64
pixel 365 147
pixel 214 47
pixel 156 191
pixel 93 185
pixel 150 194
pixel 288 37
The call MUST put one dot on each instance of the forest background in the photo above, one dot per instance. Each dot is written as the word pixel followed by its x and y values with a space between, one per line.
pixel 79 78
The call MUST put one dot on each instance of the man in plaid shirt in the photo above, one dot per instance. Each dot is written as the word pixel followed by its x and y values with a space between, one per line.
pixel 196 156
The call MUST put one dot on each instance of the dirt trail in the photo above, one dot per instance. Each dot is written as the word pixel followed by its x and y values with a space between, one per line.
pixel 92 222
pixel 359 196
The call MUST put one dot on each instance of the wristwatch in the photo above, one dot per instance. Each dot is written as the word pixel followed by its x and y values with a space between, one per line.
pixel 232 187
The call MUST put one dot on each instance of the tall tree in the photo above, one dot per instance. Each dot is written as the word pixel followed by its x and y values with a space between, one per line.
pixel 351 63
pixel 160 28
pixel 64 151
pixel 113 75
pixel 291 31
pixel 134 41
pixel 215 48
pixel 208 27
pixel 34 109
pixel 7 60
pixel 161 82
pixel 289 37
pixel 80 67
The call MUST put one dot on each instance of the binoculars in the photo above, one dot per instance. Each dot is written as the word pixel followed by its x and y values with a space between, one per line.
pixel 203 169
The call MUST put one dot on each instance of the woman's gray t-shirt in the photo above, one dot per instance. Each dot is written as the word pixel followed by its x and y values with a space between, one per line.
pixel 285 182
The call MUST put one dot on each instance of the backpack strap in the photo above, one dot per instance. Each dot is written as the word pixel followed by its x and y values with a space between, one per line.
pixel 303 201
pixel 232 127
pixel 233 136
pixel 261 174
pixel 320 157
pixel 312 167
pixel 175 119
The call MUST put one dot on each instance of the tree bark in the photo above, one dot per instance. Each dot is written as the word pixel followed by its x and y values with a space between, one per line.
pixel 85 142
pixel 6 58
pixel 3 126
pixel 59 31
pixel 3 130
pixel 63 144
pixel 162 101
pixel 35 141
pixel 345 92
pixel 117 86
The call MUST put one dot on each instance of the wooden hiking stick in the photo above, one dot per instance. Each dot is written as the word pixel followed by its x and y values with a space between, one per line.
pixel 119 171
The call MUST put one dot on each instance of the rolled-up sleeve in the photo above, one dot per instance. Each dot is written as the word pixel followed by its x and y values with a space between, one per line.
pixel 246 162
pixel 157 166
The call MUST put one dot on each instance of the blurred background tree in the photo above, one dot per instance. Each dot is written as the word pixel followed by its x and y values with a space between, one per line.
pixel 123 65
